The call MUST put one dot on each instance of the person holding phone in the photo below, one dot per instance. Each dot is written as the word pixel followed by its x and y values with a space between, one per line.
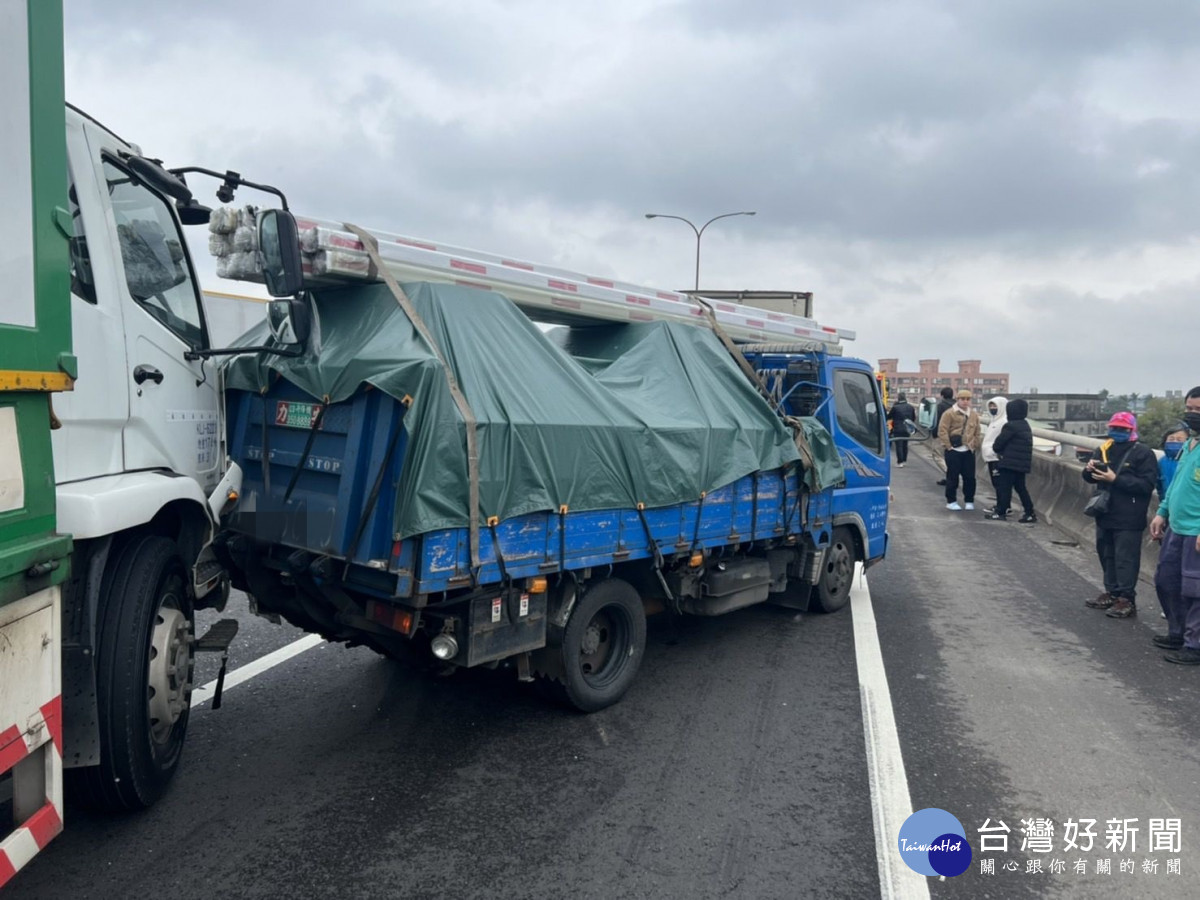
pixel 1128 471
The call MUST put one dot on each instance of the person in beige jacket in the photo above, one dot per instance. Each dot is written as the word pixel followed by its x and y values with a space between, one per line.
pixel 961 437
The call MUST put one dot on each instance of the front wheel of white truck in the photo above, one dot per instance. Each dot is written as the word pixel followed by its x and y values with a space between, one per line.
pixel 144 663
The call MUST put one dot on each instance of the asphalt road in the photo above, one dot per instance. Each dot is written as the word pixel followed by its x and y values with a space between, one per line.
pixel 1015 701
pixel 735 767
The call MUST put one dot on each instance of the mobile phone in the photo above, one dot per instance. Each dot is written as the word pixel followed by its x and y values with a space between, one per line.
pixel 1100 466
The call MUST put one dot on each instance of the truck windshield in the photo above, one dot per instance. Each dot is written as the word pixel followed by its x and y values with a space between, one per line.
pixel 157 272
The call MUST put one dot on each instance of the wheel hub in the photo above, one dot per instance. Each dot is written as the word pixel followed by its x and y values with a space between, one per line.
pixel 839 567
pixel 591 639
pixel 595 645
pixel 170 676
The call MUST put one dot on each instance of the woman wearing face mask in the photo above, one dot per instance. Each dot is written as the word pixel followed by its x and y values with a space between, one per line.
pixel 1172 444
pixel 997 407
pixel 1129 472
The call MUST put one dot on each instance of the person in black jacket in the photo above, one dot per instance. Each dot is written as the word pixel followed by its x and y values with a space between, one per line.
pixel 944 404
pixel 900 415
pixel 1014 447
pixel 1128 471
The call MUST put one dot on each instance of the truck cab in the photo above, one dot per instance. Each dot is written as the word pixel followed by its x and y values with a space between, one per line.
pixel 844 394
pixel 140 409
pixel 138 454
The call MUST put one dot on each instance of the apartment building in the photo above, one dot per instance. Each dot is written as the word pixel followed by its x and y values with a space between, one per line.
pixel 1070 413
pixel 930 379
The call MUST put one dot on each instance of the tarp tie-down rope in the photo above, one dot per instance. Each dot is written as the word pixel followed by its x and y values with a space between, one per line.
pixel 655 551
pixel 699 513
pixel 741 360
pixel 790 510
pixel 492 523
pixel 371 245
pixel 562 538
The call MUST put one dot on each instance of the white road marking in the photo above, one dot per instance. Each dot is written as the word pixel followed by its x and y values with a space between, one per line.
pixel 890 800
pixel 232 679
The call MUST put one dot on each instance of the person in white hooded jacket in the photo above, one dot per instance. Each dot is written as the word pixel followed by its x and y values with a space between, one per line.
pixel 997 407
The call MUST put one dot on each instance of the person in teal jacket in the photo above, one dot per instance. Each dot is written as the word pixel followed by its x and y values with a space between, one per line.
pixel 1177 525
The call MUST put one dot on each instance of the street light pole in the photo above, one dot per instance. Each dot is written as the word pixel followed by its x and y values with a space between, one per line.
pixel 699 231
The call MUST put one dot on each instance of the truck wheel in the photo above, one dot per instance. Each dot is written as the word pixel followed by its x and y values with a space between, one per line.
pixel 837 573
pixel 603 645
pixel 143 676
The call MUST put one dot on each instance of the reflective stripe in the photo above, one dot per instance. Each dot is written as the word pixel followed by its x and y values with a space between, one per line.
pixel 23 844
pixel 17 380
pixel 39 829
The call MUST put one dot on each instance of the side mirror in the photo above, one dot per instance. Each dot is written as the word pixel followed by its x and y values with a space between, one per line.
pixel 279 252
pixel 289 320
pixel 193 213
pixel 160 179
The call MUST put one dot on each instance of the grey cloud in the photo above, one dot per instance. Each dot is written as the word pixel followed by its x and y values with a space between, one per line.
pixel 1088 27
pixel 867 135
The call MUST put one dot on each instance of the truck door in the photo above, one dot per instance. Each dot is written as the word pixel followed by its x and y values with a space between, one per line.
pixel 173 402
pixel 90 442
pixel 859 431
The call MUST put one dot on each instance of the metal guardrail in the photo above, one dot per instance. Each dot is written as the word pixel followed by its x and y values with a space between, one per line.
pixel 1071 440
pixel 1078 440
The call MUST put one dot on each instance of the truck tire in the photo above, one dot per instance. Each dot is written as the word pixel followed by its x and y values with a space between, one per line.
pixel 143 676
pixel 603 645
pixel 837 573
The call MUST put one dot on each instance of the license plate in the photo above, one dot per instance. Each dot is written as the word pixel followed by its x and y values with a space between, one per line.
pixel 296 415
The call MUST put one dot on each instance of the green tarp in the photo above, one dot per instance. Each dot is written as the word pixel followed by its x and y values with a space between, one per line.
pixel 822 463
pixel 651 413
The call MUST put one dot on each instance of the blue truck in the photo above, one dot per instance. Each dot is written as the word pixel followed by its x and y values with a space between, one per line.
pixel 428 474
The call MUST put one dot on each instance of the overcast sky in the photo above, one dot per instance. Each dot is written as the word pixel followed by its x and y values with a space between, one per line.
pixel 1016 181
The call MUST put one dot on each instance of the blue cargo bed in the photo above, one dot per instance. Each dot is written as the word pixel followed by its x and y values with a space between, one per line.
pixel 341 504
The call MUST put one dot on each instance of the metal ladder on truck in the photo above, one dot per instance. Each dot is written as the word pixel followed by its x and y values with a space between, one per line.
pixel 333 251
pixel 35 360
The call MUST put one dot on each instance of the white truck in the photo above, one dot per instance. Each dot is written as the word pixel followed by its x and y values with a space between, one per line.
pixel 138 454
pixel 140 470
